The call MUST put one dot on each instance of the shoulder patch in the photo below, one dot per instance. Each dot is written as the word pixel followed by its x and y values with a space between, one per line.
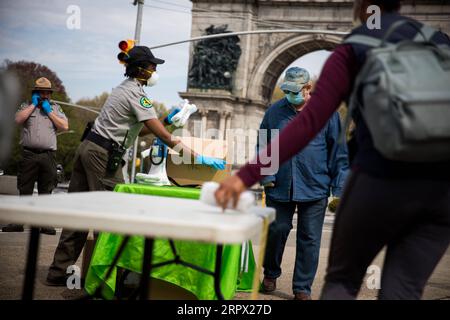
pixel 146 102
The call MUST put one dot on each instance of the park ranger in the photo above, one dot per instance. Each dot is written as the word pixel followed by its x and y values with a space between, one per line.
pixel 127 113
pixel 40 120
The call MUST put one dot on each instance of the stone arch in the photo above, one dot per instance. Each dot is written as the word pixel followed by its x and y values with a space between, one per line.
pixel 269 69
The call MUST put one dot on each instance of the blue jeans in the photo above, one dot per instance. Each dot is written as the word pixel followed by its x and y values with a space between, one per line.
pixel 309 233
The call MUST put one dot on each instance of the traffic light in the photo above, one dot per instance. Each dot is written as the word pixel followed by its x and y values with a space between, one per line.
pixel 124 46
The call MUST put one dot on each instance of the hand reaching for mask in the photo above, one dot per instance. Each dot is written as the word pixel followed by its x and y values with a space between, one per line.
pixel 46 106
pixel 35 99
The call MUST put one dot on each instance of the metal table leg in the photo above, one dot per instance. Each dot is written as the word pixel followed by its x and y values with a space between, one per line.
pixel 146 269
pixel 30 273
pixel 98 291
pixel 217 271
pixel 144 285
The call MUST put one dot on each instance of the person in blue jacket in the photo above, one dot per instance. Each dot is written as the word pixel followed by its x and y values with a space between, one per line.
pixel 303 184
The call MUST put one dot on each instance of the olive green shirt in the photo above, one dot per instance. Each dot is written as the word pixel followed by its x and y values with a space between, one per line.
pixel 38 131
pixel 124 111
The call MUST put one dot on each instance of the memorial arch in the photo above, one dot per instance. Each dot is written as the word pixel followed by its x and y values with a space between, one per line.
pixel 263 57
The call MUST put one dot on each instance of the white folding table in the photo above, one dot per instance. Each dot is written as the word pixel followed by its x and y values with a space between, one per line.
pixel 133 214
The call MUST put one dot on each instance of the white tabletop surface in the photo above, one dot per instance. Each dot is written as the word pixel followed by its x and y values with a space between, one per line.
pixel 134 214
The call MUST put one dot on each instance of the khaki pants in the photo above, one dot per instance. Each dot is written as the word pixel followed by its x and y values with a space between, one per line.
pixel 89 174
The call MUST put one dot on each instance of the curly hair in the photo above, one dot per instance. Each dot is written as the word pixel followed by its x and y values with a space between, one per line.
pixel 132 69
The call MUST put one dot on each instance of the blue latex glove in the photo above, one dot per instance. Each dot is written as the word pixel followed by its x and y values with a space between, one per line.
pixel 169 117
pixel 35 99
pixel 216 163
pixel 46 106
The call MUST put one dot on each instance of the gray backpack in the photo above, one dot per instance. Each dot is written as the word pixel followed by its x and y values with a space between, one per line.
pixel 403 94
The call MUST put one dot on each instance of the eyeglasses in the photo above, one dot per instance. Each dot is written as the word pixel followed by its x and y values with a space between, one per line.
pixel 290 92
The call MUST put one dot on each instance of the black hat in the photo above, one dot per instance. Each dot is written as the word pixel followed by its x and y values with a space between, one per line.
pixel 142 54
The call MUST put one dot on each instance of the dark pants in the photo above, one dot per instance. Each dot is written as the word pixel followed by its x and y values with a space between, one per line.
pixel 410 217
pixel 309 232
pixel 36 167
pixel 89 174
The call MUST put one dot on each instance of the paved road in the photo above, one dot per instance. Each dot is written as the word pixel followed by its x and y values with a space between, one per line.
pixel 12 260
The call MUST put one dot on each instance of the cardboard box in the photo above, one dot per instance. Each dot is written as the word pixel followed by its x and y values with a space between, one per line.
pixel 189 174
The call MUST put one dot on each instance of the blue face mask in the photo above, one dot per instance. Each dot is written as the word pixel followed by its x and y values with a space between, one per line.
pixel 295 99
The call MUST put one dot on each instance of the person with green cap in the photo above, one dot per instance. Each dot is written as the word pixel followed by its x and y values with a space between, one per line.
pixel 301 185
pixel 127 113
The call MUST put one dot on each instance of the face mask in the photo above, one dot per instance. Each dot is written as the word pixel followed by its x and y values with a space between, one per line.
pixel 153 79
pixel 295 99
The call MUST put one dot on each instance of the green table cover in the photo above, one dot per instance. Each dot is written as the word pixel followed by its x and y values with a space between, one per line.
pixel 198 253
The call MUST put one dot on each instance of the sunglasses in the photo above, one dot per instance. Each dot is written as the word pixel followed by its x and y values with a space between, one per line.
pixel 290 92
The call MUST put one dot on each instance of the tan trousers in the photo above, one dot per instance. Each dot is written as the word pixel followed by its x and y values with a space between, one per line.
pixel 89 174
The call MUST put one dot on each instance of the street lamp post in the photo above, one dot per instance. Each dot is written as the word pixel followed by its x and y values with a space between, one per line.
pixel 137 38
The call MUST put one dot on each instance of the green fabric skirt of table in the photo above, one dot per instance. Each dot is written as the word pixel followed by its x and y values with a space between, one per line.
pixel 201 254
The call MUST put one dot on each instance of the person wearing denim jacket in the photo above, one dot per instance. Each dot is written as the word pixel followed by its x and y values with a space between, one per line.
pixel 303 183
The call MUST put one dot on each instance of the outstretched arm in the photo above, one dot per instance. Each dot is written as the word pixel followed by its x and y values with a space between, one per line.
pixel 157 128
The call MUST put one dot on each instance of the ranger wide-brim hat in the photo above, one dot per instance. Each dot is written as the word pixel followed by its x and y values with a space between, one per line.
pixel 295 79
pixel 43 84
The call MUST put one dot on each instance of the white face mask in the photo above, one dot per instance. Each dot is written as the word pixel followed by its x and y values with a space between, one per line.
pixel 153 79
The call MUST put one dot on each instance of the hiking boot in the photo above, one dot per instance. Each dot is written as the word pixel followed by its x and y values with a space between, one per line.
pixel 56 281
pixel 268 285
pixel 302 296
pixel 13 228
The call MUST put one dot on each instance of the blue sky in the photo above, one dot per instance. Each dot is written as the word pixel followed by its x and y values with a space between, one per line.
pixel 85 59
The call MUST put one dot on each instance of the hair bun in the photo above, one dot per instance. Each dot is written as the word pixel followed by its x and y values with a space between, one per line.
pixel 123 57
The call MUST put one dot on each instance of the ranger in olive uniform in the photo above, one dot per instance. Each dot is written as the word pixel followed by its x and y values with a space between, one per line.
pixel 127 113
pixel 40 121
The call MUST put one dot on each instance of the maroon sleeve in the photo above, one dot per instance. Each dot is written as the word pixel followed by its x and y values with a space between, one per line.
pixel 333 86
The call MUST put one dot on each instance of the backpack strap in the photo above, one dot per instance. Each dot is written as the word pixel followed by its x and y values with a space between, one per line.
pixel 426 33
pixel 364 40
pixel 353 102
